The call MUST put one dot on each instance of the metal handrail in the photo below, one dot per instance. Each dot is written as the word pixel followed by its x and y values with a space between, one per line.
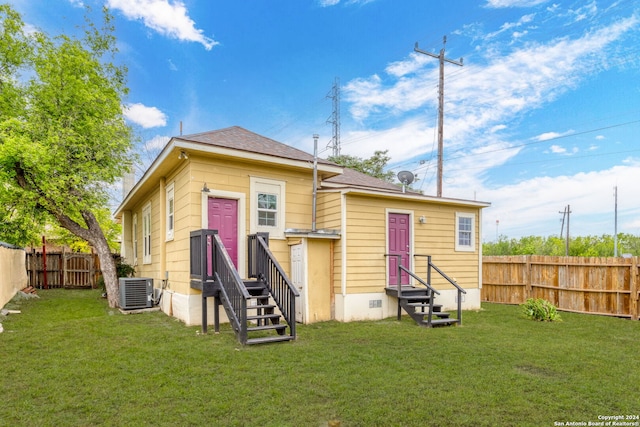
pixel 232 288
pixel 269 271
pixel 461 291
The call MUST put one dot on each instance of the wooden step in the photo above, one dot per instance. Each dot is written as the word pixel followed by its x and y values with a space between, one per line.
pixel 441 322
pixel 415 298
pixel 436 307
pixel 266 340
pixel 277 327
pixel 261 306
pixel 273 316
pixel 440 314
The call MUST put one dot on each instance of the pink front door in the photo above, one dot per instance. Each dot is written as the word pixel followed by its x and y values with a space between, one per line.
pixel 399 242
pixel 223 216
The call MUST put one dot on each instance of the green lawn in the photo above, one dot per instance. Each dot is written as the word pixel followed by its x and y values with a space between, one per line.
pixel 70 360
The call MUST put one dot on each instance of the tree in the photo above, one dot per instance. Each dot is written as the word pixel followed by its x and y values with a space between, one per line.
pixel 63 138
pixel 373 166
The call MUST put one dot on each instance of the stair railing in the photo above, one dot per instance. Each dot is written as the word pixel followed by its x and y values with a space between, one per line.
pixel 461 291
pixel 264 266
pixel 234 293
pixel 426 284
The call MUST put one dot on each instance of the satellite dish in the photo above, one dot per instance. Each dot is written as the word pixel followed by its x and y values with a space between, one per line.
pixel 405 177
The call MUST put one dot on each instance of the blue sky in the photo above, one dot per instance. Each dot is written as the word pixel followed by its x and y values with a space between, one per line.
pixel 544 113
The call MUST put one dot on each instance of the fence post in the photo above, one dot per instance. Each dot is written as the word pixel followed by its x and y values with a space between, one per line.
pixel 527 277
pixel 633 287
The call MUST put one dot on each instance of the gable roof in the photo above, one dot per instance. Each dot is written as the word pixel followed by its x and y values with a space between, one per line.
pixel 237 138
pixel 238 142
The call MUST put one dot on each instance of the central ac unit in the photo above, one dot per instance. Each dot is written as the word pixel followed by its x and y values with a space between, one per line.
pixel 136 292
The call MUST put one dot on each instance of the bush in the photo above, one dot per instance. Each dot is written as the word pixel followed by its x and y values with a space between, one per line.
pixel 541 310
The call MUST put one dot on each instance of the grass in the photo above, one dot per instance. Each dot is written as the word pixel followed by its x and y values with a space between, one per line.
pixel 70 360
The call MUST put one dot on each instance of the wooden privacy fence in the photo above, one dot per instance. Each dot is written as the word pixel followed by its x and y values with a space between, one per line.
pixel 62 270
pixel 606 286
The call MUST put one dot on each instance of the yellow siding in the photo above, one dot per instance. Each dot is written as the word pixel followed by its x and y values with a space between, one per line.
pixel 223 175
pixel 366 242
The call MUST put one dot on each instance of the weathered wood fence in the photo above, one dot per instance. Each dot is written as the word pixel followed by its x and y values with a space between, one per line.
pixel 606 286
pixel 62 270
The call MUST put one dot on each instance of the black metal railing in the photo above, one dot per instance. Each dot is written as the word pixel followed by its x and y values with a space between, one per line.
pixel 430 290
pixel 264 266
pixel 461 291
pixel 234 293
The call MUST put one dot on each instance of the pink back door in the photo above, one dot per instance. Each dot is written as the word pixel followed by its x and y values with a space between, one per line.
pixel 398 245
pixel 223 216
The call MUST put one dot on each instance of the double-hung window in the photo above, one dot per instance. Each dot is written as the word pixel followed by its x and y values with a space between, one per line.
pixel 267 209
pixel 170 212
pixel 134 238
pixel 146 234
pixel 267 206
pixel 465 232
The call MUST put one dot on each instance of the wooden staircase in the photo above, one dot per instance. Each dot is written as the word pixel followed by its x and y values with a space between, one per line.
pixel 260 310
pixel 417 302
pixel 263 322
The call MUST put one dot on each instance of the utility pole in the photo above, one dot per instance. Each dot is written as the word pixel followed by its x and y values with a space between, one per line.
pixel 566 213
pixel 335 116
pixel 442 60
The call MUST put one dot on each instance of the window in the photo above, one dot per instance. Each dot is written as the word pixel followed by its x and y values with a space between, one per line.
pixel 267 208
pixel 170 212
pixel 134 238
pixel 465 232
pixel 146 234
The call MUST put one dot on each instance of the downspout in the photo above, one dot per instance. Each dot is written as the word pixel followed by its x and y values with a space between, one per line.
pixel 315 182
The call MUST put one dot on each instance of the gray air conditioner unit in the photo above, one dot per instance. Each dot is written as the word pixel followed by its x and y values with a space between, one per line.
pixel 136 292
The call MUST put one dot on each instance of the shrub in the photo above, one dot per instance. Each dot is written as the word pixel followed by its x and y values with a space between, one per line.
pixel 541 310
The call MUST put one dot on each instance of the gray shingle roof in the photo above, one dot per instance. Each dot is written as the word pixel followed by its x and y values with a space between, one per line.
pixel 238 138
pixel 353 178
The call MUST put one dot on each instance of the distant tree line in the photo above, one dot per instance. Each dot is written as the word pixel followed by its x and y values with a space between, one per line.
pixel 587 246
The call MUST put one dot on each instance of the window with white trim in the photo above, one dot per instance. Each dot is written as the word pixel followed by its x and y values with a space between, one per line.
pixel 170 212
pixel 465 232
pixel 134 238
pixel 267 210
pixel 267 206
pixel 146 234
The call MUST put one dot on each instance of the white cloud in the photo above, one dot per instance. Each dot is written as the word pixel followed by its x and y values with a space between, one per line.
pixel 552 135
pixel 156 143
pixel 531 205
pixel 556 149
pixel 599 137
pixel 328 3
pixel 147 117
pixel 167 18
pixel 513 3
pixel 482 96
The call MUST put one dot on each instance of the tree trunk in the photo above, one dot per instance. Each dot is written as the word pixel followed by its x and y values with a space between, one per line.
pixel 108 268
pixel 95 236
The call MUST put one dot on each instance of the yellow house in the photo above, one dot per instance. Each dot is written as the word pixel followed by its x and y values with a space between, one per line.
pixel 340 248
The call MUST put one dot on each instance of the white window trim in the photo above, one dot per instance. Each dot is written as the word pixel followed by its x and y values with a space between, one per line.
pixel 146 234
pixel 472 246
pixel 134 238
pixel 270 186
pixel 170 216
